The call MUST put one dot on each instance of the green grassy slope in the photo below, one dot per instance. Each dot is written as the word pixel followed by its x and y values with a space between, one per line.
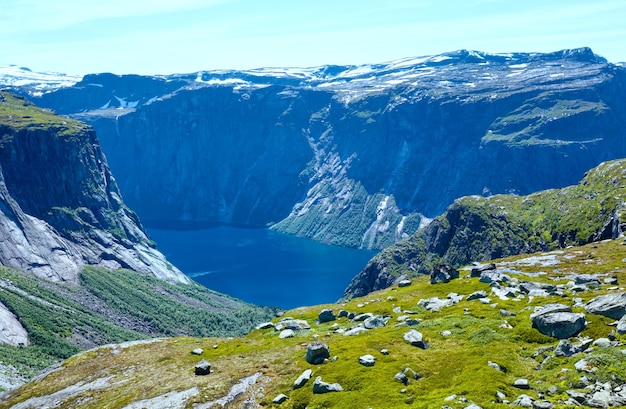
pixel 454 370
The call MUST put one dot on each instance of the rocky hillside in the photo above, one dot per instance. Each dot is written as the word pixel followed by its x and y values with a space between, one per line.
pixel 350 155
pixel 60 208
pixel 77 269
pixel 477 228
pixel 543 331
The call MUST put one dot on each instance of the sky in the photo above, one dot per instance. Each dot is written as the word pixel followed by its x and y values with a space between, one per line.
pixel 184 36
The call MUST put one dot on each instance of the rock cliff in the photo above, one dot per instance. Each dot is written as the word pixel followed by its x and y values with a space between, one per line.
pixel 60 208
pixel 478 228
pixel 352 155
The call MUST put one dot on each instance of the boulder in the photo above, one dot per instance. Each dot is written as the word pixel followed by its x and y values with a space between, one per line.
pixel 203 368
pixel 560 325
pixel 367 360
pixel 286 333
pixel 290 323
pixel 478 269
pixel 415 338
pixel 523 401
pixel 362 317
pixel 355 331
pixel 342 313
pixel 317 352
pixel 496 366
pixel 443 273
pixel 535 288
pixel 489 277
pixel 404 283
pixel 377 321
pixel 279 399
pixel 435 303
pixel 197 351
pixel 320 386
pixel 326 315
pixel 621 325
pixel 303 379
pixel 610 305
pixel 401 376
pixel 548 309
pixel 521 383
pixel 265 325
pixel 542 404
pixel 476 295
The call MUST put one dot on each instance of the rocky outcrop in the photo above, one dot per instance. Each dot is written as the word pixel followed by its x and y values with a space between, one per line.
pixel 476 228
pixel 351 155
pixel 60 207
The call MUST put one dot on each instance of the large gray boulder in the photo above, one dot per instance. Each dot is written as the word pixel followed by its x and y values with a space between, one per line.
pixel 610 305
pixel 322 387
pixel 367 360
pixel 326 315
pixel 415 338
pixel 317 352
pixel 560 325
pixel 377 321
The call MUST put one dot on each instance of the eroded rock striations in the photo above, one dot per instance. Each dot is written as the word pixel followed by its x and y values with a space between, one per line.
pixel 350 155
pixel 60 207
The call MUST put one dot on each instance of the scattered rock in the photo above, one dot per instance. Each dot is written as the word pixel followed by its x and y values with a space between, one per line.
pixel 473 406
pixel 322 387
pixel 377 321
pixel 560 325
pixel 326 315
pixel 610 305
pixel 578 397
pixel 621 325
pixel 197 351
pixel 290 323
pixel 443 273
pixel 476 295
pixel 286 333
pixel 584 366
pixel 566 348
pixel 303 379
pixel 521 383
pixel 610 280
pixel 455 298
pixel 542 404
pixel 279 399
pixel 367 360
pixel 523 401
pixel 490 277
pixel 342 313
pixel 497 367
pixel 415 338
pixel 434 303
pixel 317 352
pixel 355 331
pixel 404 283
pixel 362 317
pixel 400 376
pixel 537 289
pixel 265 325
pixel 602 342
pixel 384 351
pixel 203 368
pixel 478 269
pixel 587 280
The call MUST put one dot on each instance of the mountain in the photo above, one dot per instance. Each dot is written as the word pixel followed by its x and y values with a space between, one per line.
pixel 77 269
pixel 466 344
pixel 358 156
pixel 478 228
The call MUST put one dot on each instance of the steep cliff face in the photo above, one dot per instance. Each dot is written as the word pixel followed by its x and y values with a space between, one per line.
pixel 478 228
pixel 351 155
pixel 60 207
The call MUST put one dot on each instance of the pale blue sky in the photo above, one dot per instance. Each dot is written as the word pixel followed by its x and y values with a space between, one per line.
pixel 181 36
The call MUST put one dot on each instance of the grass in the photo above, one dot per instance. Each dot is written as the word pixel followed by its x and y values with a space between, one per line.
pixel 453 365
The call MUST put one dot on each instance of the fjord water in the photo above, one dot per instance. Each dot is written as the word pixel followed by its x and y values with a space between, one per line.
pixel 262 266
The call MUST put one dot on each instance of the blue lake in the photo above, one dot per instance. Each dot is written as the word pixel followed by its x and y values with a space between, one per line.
pixel 262 266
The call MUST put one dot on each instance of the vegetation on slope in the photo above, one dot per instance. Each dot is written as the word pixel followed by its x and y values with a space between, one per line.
pixel 112 306
pixel 478 228
pixel 453 371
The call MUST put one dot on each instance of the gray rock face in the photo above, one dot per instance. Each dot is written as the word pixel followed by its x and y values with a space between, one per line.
pixel 320 386
pixel 610 305
pixel 11 330
pixel 61 209
pixel 317 352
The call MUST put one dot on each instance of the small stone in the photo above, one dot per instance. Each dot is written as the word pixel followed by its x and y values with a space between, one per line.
pixel 384 351
pixel 197 351
pixel 584 365
pixel 355 331
pixel 501 396
pixel 449 398
pixel 446 333
pixel 203 368
pixel 602 342
pixel 367 360
pixel 496 367
pixel 279 399
pixel 302 379
pixel 523 401
pixel 521 383
pixel 400 376
pixel 286 333
pixel 320 386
